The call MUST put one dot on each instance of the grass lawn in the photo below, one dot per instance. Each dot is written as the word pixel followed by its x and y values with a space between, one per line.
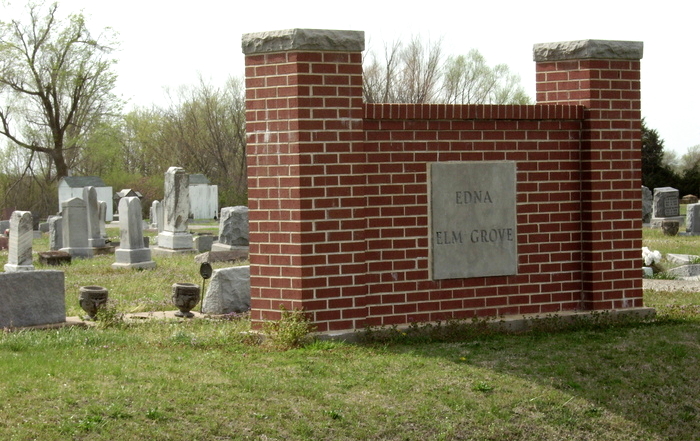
pixel 204 380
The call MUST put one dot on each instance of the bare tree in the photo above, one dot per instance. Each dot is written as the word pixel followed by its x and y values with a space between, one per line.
pixel 56 84
pixel 417 73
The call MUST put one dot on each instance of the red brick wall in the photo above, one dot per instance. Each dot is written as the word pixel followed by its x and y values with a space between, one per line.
pixel 338 193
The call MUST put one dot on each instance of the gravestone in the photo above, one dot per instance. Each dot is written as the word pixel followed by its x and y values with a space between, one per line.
pixel 175 237
pixel 4 225
pixel 102 211
pixel 647 204
pixel 665 206
pixel 55 232
pixel 203 242
pixel 233 229
pixel 32 298
pixel 132 252
pixel 75 231
pixel 229 291
pixel 20 242
pixel 157 214
pixel 692 220
pixel 472 219
pixel 95 239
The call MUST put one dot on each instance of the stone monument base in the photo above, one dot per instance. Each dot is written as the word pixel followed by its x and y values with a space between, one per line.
pixel 657 221
pixel 224 247
pixel 14 268
pixel 167 252
pixel 86 253
pixel 175 241
pixel 139 258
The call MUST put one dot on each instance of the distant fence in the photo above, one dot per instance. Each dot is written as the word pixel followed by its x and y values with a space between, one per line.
pixel 348 222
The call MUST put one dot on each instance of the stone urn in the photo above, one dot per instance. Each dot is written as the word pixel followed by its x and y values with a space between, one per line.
pixel 185 297
pixel 92 298
pixel 670 227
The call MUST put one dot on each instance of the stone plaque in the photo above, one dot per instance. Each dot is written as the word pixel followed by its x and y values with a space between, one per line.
pixel 472 219
pixel 665 202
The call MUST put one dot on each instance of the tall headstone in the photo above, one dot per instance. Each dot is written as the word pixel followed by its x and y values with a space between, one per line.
pixel 647 203
pixel 175 236
pixel 157 216
pixel 132 252
pixel 665 206
pixel 55 232
pixel 692 220
pixel 233 229
pixel 102 210
pixel 20 242
pixel 95 239
pixel 75 230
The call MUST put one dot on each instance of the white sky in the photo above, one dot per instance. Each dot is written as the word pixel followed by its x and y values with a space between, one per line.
pixel 166 44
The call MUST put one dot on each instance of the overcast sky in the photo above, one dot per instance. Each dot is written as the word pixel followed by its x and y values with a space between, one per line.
pixel 166 44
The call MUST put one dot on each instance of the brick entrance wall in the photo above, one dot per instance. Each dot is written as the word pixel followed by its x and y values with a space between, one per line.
pixel 338 188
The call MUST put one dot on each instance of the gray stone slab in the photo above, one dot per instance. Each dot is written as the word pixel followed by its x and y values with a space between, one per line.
pixel 228 291
pixel 32 298
pixel 75 231
pixel 92 206
pixel 473 226
pixel 588 49
pixel 303 39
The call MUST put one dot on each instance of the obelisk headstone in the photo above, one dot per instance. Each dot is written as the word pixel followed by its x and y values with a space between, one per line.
pixel 95 239
pixel 20 242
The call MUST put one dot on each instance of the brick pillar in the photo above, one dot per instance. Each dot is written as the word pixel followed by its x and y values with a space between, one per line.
pixel 306 180
pixel 604 77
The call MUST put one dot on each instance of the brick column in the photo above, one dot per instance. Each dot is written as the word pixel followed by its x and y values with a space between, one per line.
pixel 306 185
pixel 604 77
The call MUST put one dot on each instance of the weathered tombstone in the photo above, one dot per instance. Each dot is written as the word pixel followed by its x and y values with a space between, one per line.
pixel 102 210
pixel 20 244
pixel 32 298
pixel 229 291
pixel 692 219
pixel 75 231
pixel 233 229
pixel 665 206
pixel 44 227
pixel 4 225
pixel 175 237
pixel 647 203
pixel 155 218
pixel 132 253
pixel 55 232
pixel 95 239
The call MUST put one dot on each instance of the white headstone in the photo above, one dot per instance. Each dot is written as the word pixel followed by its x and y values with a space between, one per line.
pixel 176 208
pixel 20 242
pixel 75 231
pixel 132 252
pixel 102 210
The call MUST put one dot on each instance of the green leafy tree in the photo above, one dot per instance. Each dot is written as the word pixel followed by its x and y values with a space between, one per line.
pixel 655 173
pixel 56 83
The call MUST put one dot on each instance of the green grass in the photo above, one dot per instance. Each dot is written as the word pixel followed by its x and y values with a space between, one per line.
pixel 207 379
